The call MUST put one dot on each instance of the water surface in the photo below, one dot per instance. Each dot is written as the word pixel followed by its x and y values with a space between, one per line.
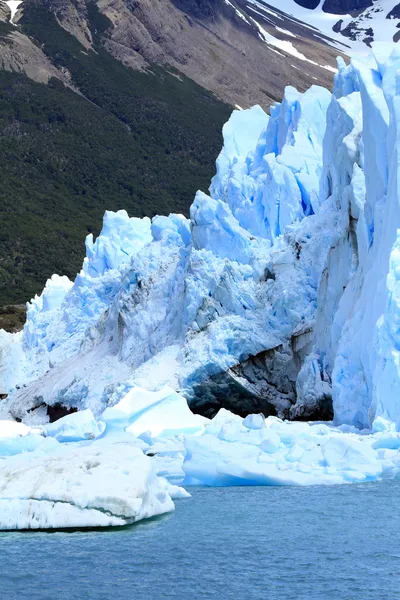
pixel 287 543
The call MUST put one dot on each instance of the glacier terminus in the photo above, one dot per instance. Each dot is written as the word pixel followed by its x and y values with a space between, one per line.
pixel 255 343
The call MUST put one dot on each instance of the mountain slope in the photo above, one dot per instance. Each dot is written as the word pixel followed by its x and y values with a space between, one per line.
pixel 355 23
pixel 218 43
pixel 144 142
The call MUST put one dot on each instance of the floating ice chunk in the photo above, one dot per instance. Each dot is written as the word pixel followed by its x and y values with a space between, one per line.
pixel 389 440
pixel 13 429
pixel 17 445
pixel 75 427
pixel 164 412
pixel 16 438
pixel 175 491
pixel 381 424
pixel 80 486
pixel 254 422
pixel 281 453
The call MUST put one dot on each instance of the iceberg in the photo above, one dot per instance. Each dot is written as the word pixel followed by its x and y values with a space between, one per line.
pixel 283 453
pixel 75 427
pixel 80 486
pixel 162 413
pixel 17 437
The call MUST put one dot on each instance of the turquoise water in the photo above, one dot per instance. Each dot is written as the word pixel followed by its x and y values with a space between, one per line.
pixel 268 543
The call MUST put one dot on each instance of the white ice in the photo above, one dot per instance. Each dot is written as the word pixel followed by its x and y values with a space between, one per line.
pixel 286 45
pixel 110 481
pixel 161 413
pixel 75 427
pixel 80 486
pixel 235 452
pixel 374 16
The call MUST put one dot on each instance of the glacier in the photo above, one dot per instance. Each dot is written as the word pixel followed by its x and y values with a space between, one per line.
pixel 255 342
pixel 204 304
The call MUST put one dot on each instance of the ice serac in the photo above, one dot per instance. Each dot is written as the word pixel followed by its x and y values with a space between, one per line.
pixel 252 277
pixel 356 350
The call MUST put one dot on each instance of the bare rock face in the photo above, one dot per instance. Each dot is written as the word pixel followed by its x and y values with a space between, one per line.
pixel 71 15
pixel 200 9
pixel 217 45
pixel 20 55
pixel 5 13
pixel 394 13
pixel 344 7
pixel 311 4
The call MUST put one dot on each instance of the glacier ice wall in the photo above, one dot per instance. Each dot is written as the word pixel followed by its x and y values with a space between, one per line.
pixel 356 350
pixel 279 294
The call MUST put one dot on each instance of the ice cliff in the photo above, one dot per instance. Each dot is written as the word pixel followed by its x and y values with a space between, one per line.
pixel 279 295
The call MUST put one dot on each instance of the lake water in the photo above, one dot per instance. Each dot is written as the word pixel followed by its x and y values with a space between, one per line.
pixel 245 543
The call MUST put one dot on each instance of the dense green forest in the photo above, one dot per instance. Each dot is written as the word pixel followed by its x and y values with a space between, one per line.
pixel 143 141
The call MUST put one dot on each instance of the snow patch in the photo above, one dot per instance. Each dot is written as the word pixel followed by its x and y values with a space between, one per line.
pixel 13 5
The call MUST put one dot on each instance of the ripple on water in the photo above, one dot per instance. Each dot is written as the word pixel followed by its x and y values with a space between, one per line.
pixel 315 543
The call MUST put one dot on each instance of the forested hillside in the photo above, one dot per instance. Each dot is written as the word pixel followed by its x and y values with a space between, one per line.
pixel 140 140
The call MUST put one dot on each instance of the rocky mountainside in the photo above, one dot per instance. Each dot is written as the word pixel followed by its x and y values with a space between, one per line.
pixel 225 47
